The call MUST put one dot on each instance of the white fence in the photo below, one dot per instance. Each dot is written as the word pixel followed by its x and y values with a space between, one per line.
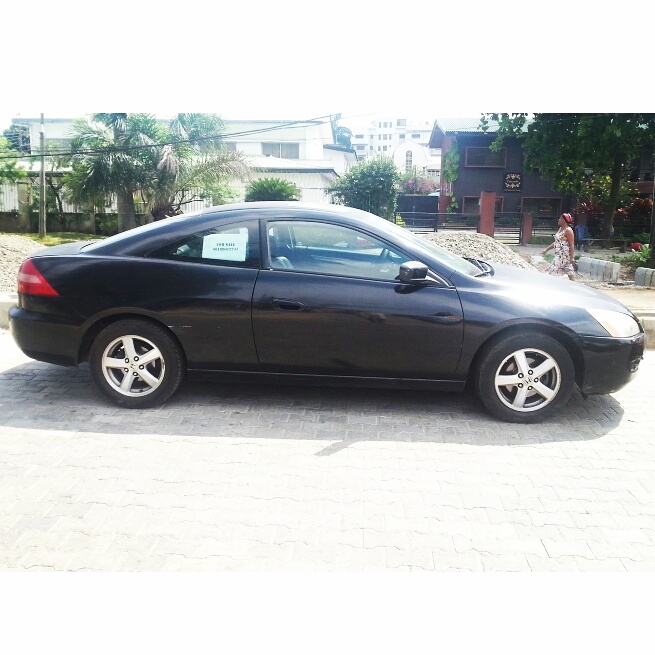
pixel 11 193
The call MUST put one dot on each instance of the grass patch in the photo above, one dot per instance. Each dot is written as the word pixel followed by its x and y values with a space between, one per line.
pixel 540 240
pixel 55 238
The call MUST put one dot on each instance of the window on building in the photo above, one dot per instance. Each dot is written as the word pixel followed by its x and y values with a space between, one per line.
pixel 384 137
pixel 483 157
pixel 401 122
pixel 359 136
pixel 283 150
pixel 401 137
pixel 408 162
pixel 384 148
pixel 416 136
pixel 360 147
pixel 57 145
pixel 433 173
pixel 230 145
pixel 546 207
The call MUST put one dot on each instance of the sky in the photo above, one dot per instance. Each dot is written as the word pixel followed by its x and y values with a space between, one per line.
pixel 283 61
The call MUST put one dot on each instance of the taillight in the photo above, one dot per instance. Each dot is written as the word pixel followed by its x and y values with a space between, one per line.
pixel 30 281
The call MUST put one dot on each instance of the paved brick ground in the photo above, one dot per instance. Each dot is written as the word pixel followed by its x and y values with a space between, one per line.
pixel 253 478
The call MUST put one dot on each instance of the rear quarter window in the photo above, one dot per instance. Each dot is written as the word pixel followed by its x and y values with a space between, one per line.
pixel 227 245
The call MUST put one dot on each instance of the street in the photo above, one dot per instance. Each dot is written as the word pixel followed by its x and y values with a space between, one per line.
pixel 256 478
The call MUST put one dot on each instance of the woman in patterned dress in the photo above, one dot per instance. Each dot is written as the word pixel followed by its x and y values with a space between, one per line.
pixel 564 249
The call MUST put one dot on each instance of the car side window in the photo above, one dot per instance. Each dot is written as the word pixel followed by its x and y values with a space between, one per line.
pixel 315 247
pixel 226 245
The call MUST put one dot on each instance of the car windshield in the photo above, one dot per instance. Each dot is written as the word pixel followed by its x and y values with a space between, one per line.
pixel 435 251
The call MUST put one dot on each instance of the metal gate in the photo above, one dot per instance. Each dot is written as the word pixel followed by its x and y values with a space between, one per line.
pixel 507 228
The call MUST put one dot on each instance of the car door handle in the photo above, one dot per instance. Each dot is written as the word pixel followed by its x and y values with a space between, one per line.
pixel 288 305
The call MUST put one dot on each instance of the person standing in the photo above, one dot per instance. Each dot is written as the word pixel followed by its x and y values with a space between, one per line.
pixel 564 245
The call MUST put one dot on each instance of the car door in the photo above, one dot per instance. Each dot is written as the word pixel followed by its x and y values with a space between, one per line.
pixel 211 276
pixel 329 304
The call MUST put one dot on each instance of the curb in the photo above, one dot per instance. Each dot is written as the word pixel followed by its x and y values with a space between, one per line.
pixel 645 277
pixel 648 323
pixel 647 318
pixel 599 269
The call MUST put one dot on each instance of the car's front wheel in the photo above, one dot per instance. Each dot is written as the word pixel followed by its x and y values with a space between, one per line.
pixel 525 377
pixel 136 364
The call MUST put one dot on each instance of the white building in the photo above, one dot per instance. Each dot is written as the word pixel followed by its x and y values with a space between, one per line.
pixel 302 152
pixel 404 140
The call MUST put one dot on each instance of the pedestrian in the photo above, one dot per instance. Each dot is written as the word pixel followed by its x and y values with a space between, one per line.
pixel 564 262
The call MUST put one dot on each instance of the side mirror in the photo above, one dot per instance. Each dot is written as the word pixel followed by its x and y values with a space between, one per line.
pixel 413 273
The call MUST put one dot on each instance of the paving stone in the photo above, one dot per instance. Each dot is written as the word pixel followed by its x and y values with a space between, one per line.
pixel 251 478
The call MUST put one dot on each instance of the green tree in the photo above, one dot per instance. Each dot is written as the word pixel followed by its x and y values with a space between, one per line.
pixel 414 183
pixel 565 147
pixel 197 165
pixel 114 154
pixel 9 169
pixel 163 165
pixel 342 135
pixel 18 137
pixel 370 186
pixel 271 188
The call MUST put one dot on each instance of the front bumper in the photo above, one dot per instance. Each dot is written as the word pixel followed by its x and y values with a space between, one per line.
pixel 609 363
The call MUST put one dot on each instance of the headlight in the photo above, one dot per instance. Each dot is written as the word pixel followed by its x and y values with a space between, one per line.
pixel 616 323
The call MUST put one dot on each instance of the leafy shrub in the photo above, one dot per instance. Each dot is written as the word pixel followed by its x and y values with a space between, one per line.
pixel 271 188
pixel 417 185
pixel 106 224
pixel 369 185
pixel 640 257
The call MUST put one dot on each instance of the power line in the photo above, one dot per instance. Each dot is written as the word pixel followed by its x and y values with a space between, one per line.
pixel 221 137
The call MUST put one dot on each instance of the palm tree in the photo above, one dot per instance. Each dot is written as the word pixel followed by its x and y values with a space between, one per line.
pixel 196 162
pixel 108 159
pixel 135 155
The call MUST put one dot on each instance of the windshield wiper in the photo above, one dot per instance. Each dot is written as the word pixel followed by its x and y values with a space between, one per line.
pixel 485 269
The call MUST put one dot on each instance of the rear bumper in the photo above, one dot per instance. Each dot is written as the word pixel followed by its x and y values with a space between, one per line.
pixel 51 341
pixel 610 363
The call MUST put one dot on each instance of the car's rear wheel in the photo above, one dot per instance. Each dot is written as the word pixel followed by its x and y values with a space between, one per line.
pixel 136 364
pixel 525 377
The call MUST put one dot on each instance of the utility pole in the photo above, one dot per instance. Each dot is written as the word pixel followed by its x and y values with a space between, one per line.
pixel 42 230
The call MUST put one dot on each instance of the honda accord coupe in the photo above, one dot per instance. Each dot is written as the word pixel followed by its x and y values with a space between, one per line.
pixel 317 294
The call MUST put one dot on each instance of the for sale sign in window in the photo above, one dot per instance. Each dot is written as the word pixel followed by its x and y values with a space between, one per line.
pixel 229 247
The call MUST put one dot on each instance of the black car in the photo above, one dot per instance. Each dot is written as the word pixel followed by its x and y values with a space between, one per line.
pixel 317 293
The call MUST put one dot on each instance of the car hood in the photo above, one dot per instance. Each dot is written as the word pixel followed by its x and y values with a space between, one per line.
pixel 542 290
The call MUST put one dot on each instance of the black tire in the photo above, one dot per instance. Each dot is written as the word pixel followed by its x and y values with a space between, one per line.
pixel 525 377
pixel 136 364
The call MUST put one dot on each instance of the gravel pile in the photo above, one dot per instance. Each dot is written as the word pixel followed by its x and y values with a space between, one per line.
pixel 14 249
pixel 480 246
